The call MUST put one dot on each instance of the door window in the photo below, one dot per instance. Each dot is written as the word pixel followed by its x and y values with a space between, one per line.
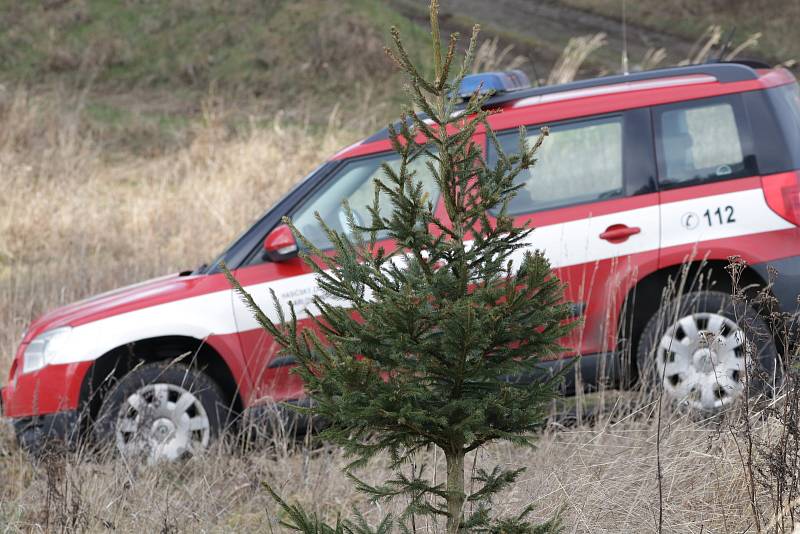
pixel 700 142
pixel 354 182
pixel 578 162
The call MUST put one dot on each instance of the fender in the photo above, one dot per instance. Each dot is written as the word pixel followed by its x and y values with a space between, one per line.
pixel 199 317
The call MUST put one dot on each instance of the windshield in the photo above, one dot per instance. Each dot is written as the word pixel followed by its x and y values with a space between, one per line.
pixel 354 182
pixel 241 247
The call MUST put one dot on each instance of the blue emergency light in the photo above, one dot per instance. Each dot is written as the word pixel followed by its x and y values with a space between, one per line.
pixel 495 82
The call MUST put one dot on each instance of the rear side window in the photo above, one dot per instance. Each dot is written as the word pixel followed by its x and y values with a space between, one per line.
pixel 787 99
pixel 578 162
pixel 701 141
pixel 786 104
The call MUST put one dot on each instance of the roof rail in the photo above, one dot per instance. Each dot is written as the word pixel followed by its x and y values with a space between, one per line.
pixel 723 72
pixel 752 63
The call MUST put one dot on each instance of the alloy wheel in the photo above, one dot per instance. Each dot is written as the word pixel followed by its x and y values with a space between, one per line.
pixel 162 422
pixel 702 359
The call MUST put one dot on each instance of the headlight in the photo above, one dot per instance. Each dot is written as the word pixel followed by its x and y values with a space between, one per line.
pixel 40 350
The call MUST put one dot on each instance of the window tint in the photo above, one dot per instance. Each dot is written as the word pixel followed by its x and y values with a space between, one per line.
pixel 699 143
pixel 354 182
pixel 786 103
pixel 578 162
pixel 787 99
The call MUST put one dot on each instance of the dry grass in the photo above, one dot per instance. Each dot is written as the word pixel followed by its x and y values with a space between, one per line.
pixel 601 478
pixel 72 224
pixel 573 56
pixel 490 57
pixel 688 18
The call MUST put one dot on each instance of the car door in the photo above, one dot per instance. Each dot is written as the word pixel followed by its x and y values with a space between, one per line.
pixel 711 193
pixel 591 198
pixel 293 281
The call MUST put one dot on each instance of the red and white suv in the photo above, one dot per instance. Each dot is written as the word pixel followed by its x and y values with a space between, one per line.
pixel 641 174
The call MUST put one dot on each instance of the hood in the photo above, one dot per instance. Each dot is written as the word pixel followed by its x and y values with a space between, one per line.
pixel 149 293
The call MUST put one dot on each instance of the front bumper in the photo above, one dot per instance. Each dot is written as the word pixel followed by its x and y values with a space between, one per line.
pixel 50 390
pixel 43 433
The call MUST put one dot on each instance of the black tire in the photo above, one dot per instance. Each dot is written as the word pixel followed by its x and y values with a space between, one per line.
pixel 160 391
pixel 701 308
pixel 48 435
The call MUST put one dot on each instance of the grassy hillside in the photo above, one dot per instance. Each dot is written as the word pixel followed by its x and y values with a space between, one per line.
pixel 142 72
pixel 776 20
pixel 140 76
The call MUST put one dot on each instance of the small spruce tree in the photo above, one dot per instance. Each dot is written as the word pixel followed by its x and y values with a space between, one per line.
pixel 440 323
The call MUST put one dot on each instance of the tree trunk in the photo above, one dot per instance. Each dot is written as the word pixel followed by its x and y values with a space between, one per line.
pixel 455 491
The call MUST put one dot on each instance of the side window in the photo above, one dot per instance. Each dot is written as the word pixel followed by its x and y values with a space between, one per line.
pixel 701 141
pixel 354 182
pixel 779 136
pixel 578 162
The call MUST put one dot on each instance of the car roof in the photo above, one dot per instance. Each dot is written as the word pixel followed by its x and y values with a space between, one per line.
pixel 611 93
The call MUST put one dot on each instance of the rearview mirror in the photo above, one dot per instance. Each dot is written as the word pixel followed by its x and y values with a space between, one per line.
pixel 280 244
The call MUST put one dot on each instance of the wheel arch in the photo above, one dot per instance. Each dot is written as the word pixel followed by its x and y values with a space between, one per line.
pixel 645 297
pixel 196 353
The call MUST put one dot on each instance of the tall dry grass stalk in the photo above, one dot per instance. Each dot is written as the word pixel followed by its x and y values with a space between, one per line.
pixel 490 57
pixel 704 47
pixel 652 58
pixel 573 56
pixel 601 477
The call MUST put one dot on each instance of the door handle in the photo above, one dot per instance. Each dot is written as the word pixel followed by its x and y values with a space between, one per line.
pixel 618 233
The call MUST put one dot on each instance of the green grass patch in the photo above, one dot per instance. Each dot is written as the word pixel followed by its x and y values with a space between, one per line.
pixel 146 69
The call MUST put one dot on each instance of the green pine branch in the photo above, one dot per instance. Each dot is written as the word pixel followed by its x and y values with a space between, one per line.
pixel 419 346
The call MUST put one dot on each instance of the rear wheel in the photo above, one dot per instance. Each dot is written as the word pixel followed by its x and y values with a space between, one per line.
pixel 703 348
pixel 161 412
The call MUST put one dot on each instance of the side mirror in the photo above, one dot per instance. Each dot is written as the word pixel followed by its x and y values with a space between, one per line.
pixel 280 244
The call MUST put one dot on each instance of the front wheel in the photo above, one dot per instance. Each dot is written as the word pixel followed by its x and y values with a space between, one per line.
pixel 161 412
pixel 703 348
